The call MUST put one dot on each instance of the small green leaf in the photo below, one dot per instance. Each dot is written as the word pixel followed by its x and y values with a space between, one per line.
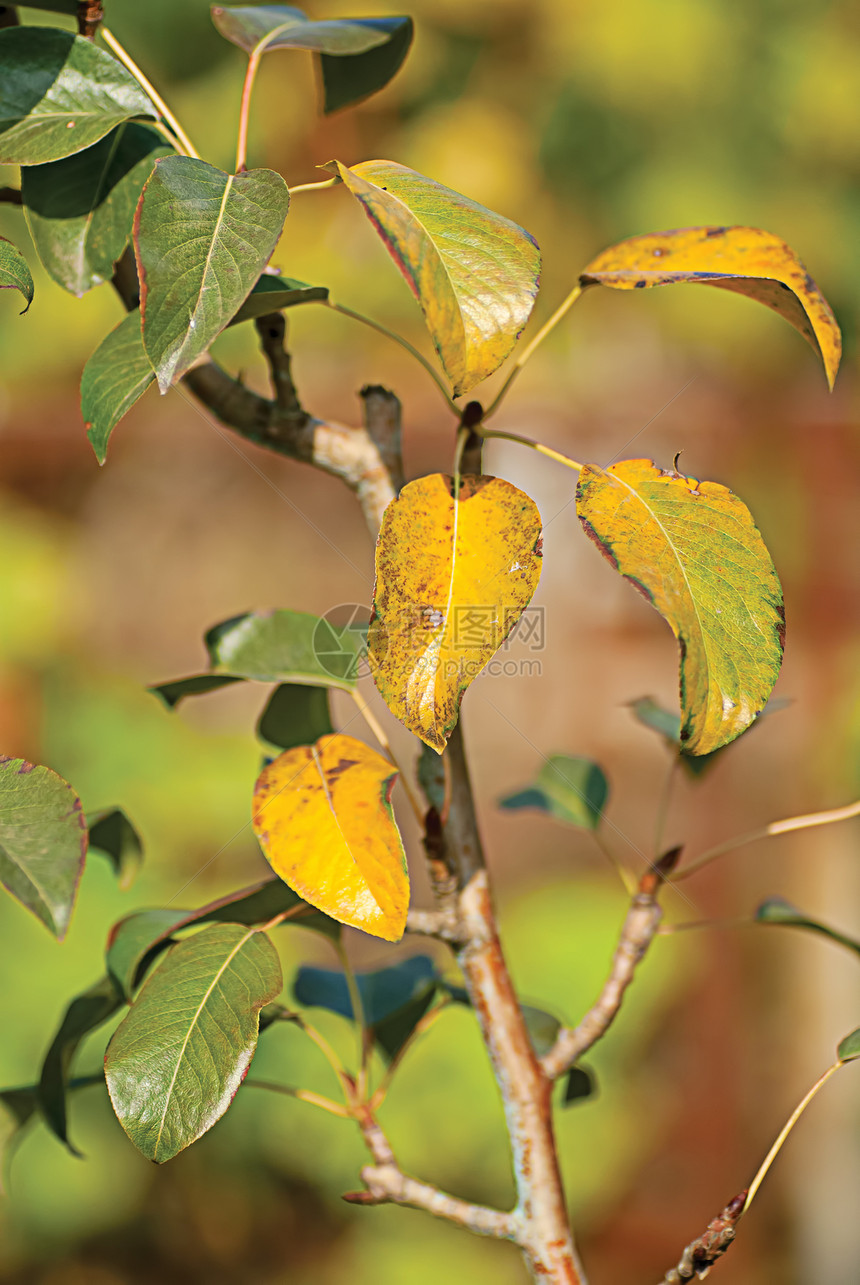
pixel 571 789
pixel 176 1061
pixel 202 239
pixel 134 943
pixel 283 646
pixel 776 910
pixel 113 834
pixel 349 80
pixel 115 377
pixel 383 993
pixel 14 271
pixel 295 715
pixel 84 1014
pixel 43 841
pixel 198 685
pixel 17 1109
pixel 849 1048
pixel 474 273
pixel 271 293
pixel 59 94
pixel 579 1084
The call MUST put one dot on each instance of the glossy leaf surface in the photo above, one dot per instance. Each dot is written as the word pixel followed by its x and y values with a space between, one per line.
pixel 453 578
pixel 474 273
pixel 80 209
pixel 271 293
pixel 202 239
pixel 776 910
pixel 571 789
pixel 747 261
pixel 116 376
pixel 295 715
pixel 43 841
pixel 14 271
pixel 112 833
pixel 176 1061
pixel 693 550
pixel 59 94
pixel 323 817
pixel 84 1014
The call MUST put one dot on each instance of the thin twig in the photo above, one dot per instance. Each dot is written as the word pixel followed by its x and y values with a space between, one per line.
pixel 701 1254
pixel 301 1095
pixel 146 85
pixel 245 108
pixel 546 329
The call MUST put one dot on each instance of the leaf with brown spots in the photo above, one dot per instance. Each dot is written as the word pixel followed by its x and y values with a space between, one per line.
pixel 454 573
pixel 695 553
pixel 323 817
pixel 747 261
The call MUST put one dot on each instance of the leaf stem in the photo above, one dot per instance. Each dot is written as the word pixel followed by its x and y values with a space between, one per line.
pixel 663 807
pixel 376 728
pixel 130 65
pixel 303 1095
pixel 316 187
pixel 526 441
pixel 546 329
pixel 359 1018
pixel 805 822
pixel 245 108
pixel 398 339
pixel 785 1131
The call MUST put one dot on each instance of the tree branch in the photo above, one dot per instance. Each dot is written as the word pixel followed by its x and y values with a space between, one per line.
pixel 640 928
pixel 701 1254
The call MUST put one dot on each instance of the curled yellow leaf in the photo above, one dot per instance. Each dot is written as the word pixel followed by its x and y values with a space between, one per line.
pixel 323 817
pixel 454 573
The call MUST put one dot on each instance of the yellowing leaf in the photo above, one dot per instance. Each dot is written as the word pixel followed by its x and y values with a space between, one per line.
pixel 474 273
pixel 746 260
pixel 323 816
pixel 693 550
pixel 453 577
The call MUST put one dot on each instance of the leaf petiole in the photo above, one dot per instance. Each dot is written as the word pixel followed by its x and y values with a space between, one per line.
pixel 186 146
pixel 533 344
pixel 302 1095
pixel 316 187
pixel 526 441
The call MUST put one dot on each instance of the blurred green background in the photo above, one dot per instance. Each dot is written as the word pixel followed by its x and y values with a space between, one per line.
pixel 586 121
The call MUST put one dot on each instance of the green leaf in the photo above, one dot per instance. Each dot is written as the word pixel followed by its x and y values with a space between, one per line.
pixel 264 27
pixel 271 293
pixel 776 910
pixel 59 94
pixel 80 209
pixel 115 377
pixel 113 834
pixel 694 552
pixel 395 1031
pixel 43 841
pixel 569 788
pixel 14 271
pixel 348 80
pixel 202 239
pixel 849 1048
pixel 383 992
pixel 668 725
pixel 84 1014
pixel 17 1109
pixel 284 646
pixel 579 1084
pixel 198 685
pixel 136 941
pixel 474 273
pixel 295 715
pixel 176 1061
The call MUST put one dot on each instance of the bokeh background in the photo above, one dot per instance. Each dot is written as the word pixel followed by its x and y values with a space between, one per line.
pixel 586 121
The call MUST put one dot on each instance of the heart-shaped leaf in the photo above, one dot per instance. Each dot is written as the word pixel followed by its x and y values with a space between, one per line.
pixel 113 834
pixel 115 377
pixel 176 1061
pixel 747 261
pixel 14 271
pixel 80 209
pixel 295 715
pixel 454 573
pixel 84 1014
pixel 323 817
pixel 776 910
pixel 60 93
pixel 43 841
pixel 693 550
pixel 271 293
pixel 474 273
pixel 571 789
pixel 202 239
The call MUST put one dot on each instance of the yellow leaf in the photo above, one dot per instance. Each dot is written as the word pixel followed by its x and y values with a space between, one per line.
pixel 474 272
pixel 746 260
pixel 693 550
pixel 323 817
pixel 453 578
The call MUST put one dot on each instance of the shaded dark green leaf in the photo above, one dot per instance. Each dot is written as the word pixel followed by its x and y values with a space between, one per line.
pixel 347 81
pixel 198 685
pixel 384 992
pixel 176 1061
pixel 272 293
pixel 115 377
pixel 431 777
pixel 14 271
pixel 202 239
pixel 393 1033
pixel 272 1014
pixel 776 910
pixel 59 94
pixel 43 841
pixel 84 1014
pixel 17 1109
pixel 571 789
pixel 579 1084
pixel 113 834
pixel 849 1048
pixel 80 209
pixel 295 715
